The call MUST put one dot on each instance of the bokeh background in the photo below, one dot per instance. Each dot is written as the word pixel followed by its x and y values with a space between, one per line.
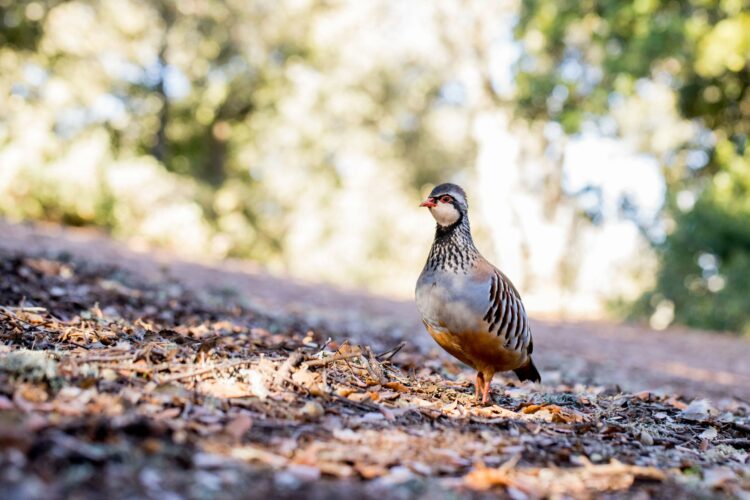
pixel 603 144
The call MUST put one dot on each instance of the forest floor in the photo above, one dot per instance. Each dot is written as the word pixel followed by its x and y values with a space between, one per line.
pixel 131 374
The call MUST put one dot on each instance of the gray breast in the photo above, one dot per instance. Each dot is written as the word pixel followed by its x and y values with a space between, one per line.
pixel 452 301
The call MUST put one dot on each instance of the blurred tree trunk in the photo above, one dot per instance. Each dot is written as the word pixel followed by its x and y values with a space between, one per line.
pixel 160 148
pixel 218 135
pixel 217 152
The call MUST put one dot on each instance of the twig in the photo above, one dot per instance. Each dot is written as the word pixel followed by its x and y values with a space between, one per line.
pixel 26 309
pixel 82 346
pixel 201 371
pixel 736 442
pixel 99 359
pixel 325 344
pixel 373 366
pixel 361 405
pixel 330 359
pixel 387 355
pixel 682 448
pixel 10 314
pixel 740 427
pixel 291 362
pixel 141 369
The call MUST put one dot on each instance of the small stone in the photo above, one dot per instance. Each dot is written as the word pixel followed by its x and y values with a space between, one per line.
pixel 698 411
pixel 304 473
pixel 312 410
pixel 709 434
pixel 646 439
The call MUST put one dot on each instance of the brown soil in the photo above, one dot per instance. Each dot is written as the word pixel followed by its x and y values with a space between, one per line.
pixel 678 360
pixel 126 374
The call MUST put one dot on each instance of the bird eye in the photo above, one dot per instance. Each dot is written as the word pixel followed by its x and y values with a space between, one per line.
pixel 446 199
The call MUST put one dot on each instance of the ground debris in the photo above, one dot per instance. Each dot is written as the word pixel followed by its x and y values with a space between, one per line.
pixel 113 386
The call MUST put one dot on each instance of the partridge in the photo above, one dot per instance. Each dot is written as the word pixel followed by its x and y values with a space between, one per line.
pixel 468 306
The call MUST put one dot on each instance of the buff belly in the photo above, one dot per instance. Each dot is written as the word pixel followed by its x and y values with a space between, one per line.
pixel 483 351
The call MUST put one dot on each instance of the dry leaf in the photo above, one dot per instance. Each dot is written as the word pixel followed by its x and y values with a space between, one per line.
pixel 697 410
pixel 168 414
pixel 718 477
pixel 304 473
pixel 483 478
pixel 226 389
pixel 238 426
pixel 336 469
pixel 531 409
pixel 370 471
pixel 309 379
pixel 255 454
pixel 397 386
pixel 345 391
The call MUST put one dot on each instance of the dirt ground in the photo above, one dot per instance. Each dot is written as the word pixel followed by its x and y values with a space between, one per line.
pixel 688 362
pixel 133 374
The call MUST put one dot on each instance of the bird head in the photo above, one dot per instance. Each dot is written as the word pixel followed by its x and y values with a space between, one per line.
pixel 447 204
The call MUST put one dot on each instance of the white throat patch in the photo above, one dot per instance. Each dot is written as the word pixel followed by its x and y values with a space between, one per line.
pixel 445 213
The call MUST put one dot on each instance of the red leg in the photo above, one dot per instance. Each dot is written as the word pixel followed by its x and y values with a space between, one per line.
pixel 486 390
pixel 478 385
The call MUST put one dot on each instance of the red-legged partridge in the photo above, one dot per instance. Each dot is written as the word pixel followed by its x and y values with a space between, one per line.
pixel 468 305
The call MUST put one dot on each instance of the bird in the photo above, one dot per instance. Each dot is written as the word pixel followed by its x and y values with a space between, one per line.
pixel 468 306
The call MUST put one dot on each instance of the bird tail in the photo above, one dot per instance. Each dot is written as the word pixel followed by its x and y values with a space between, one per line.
pixel 528 372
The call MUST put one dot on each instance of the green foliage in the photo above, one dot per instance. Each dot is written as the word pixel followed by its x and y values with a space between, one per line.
pixel 581 57
pixel 229 128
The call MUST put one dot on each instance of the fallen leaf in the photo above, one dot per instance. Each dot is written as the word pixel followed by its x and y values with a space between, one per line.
pixel 308 379
pixel 370 471
pixel 676 403
pixel 168 414
pixel 531 409
pixel 698 410
pixel 483 478
pixel 306 473
pixel 225 389
pixel 238 426
pixel 336 469
pixel 255 454
pixel 718 477
pixel 397 386
pixel 345 391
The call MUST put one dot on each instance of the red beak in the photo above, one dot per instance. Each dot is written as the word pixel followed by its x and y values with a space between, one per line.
pixel 429 203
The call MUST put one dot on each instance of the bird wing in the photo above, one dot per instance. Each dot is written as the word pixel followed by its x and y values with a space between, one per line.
pixel 506 315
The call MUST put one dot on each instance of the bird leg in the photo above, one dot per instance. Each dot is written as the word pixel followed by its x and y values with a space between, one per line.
pixel 478 385
pixel 486 390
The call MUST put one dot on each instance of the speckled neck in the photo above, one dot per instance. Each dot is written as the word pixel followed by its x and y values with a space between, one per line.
pixel 453 248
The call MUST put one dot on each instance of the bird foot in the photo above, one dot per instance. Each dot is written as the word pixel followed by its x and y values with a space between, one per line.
pixel 483 386
pixel 487 392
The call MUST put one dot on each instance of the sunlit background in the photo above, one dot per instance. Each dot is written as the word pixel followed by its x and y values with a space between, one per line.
pixel 603 144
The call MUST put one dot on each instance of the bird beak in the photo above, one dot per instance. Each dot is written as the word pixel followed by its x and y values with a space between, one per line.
pixel 429 203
